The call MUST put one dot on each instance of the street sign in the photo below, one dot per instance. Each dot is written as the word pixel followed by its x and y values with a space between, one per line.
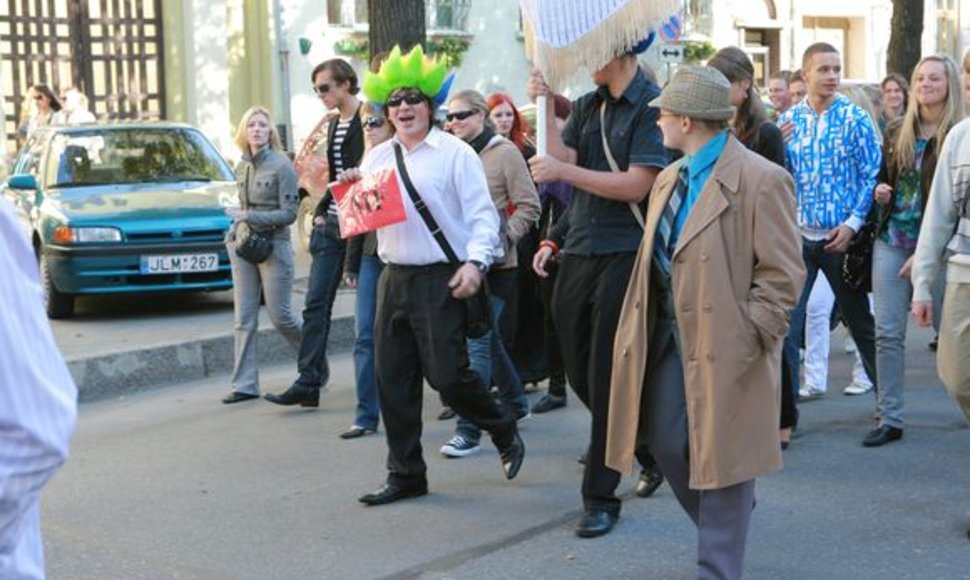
pixel 671 53
pixel 671 29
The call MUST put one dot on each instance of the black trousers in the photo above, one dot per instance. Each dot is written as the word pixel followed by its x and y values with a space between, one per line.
pixel 553 351
pixel 419 333
pixel 586 304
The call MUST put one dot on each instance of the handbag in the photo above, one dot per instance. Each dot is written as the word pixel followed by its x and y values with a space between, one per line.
pixel 252 245
pixel 478 306
pixel 857 261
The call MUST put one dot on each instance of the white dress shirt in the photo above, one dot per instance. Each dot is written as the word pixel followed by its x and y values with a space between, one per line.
pixel 38 404
pixel 449 177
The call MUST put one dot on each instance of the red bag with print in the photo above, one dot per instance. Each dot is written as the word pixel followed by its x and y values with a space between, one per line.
pixel 368 204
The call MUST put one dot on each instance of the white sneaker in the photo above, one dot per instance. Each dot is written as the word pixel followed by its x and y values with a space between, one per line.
pixel 857 388
pixel 458 446
pixel 809 392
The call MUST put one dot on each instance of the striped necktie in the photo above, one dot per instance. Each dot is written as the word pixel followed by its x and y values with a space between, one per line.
pixel 665 229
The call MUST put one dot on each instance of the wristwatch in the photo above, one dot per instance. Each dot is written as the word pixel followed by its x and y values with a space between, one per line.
pixel 482 266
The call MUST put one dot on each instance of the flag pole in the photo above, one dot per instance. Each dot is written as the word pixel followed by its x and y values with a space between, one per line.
pixel 542 103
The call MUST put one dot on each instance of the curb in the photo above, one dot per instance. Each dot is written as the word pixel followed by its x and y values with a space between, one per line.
pixel 119 374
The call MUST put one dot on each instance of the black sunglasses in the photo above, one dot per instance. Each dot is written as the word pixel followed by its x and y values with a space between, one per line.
pixel 373 122
pixel 409 98
pixel 460 115
pixel 322 89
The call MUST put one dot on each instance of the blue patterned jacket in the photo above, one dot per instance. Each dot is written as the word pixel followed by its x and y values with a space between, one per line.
pixel 834 157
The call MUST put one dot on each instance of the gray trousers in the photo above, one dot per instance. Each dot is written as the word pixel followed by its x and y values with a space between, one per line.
pixel 722 516
pixel 275 278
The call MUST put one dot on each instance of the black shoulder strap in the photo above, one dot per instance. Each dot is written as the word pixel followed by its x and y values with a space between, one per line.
pixel 419 205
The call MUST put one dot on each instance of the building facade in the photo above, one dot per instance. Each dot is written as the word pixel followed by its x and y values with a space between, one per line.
pixel 206 61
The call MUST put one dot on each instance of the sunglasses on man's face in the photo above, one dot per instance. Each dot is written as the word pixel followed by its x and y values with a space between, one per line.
pixel 373 122
pixel 409 98
pixel 322 89
pixel 460 115
pixel 38 97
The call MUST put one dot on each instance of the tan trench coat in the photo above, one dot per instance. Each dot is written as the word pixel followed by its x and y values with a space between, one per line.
pixel 737 271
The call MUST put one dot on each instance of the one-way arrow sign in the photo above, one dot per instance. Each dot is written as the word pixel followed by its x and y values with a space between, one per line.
pixel 671 53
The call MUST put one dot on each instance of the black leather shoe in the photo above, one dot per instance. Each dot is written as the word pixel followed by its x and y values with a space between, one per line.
pixel 446 413
pixel 650 480
pixel 512 457
pixel 595 523
pixel 236 397
pixel 392 492
pixel 549 403
pixel 356 431
pixel 296 395
pixel 882 435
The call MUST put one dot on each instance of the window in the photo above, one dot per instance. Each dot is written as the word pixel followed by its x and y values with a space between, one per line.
pixel 346 12
pixel 439 14
pixel 447 14
pixel 133 156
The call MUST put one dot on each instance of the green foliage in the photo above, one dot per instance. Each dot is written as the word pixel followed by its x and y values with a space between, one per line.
pixel 451 49
pixel 696 51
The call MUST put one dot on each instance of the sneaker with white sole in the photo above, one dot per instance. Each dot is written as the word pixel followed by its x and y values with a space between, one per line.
pixel 857 388
pixel 808 393
pixel 458 446
pixel 849 346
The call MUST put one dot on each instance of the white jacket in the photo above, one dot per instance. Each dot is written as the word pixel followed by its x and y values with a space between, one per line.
pixel 945 234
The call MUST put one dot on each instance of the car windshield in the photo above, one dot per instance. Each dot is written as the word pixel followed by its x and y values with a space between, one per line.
pixel 133 155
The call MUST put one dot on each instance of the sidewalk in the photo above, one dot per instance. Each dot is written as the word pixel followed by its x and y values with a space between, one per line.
pixel 116 345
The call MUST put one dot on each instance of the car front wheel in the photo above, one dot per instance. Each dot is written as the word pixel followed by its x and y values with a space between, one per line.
pixel 59 305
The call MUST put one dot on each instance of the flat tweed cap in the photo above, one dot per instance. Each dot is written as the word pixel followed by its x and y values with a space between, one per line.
pixel 699 92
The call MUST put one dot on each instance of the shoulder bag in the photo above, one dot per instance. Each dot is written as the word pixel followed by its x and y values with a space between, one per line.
pixel 857 261
pixel 634 207
pixel 252 245
pixel 478 306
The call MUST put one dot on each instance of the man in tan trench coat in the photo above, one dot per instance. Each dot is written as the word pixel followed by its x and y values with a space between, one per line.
pixel 697 355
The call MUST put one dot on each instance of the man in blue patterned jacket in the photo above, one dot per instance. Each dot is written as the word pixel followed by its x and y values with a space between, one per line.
pixel 833 152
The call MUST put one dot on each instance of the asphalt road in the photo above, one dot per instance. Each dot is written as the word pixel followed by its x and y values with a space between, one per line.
pixel 171 484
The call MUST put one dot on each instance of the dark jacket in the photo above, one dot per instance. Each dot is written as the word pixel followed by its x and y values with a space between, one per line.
pixel 889 173
pixel 351 151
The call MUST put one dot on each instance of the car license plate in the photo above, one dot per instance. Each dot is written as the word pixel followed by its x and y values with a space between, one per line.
pixel 179 263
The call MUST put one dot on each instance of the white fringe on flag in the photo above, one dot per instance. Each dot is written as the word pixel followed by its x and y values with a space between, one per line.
pixel 576 35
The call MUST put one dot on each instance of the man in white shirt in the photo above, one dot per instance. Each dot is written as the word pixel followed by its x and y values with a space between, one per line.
pixel 37 404
pixel 420 328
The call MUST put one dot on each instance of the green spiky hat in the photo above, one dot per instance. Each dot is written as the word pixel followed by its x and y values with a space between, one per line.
pixel 412 70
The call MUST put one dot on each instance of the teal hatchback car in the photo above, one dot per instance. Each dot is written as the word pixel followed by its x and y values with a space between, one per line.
pixel 123 208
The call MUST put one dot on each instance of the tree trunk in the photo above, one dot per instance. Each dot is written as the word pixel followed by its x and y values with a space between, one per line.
pixel 904 40
pixel 393 22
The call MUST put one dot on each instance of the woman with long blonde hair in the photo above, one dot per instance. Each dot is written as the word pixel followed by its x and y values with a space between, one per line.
pixel 268 201
pixel 912 145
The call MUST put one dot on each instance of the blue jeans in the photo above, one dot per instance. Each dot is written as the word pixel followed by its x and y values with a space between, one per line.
pixel 893 296
pixel 327 251
pixel 489 358
pixel 368 408
pixel 854 305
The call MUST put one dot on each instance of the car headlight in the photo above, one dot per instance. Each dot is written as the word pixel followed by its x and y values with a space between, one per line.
pixel 70 235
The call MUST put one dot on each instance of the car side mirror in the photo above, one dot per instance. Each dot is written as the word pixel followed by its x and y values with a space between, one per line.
pixel 22 181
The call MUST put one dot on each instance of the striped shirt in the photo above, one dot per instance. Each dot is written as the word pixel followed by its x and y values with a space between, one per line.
pixel 834 157
pixel 38 403
pixel 339 134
